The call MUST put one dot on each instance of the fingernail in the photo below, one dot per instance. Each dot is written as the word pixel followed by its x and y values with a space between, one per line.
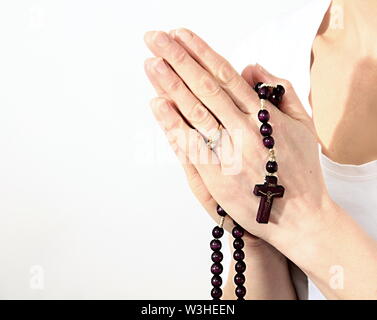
pixel 183 34
pixel 160 66
pixel 161 39
pixel 148 36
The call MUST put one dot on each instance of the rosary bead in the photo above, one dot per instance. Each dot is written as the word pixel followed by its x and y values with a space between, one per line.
pixel 216 281
pixel 274 99
pixel 238 255
pixel 216 245
pixel 263 116
pixel 239 279
pixel 272 166
pixel 257 86
pixel 217 232
pixel 266 129
pixel 220 211
pixel 217 256
pixel 216 293
pixel 279 90
pixel 238 232
pixel 217 268
pixel 263 93
pixel 240 292
pixel 240 267
pixel 269 142
pixel 238 244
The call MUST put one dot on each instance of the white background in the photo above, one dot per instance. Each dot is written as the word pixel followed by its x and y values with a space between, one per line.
pixel 93 203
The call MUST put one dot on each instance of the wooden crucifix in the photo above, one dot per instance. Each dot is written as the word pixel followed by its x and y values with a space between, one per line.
pixel 267 191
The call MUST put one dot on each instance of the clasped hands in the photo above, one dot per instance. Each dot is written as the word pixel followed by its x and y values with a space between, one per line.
pixel 197 91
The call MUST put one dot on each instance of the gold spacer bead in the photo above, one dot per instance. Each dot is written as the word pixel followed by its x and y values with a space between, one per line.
pixel 269 85
pixel 262 104
pixel 221 224
pixel 272 155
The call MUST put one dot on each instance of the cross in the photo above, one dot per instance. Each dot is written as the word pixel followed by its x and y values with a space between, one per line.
pixel 267 191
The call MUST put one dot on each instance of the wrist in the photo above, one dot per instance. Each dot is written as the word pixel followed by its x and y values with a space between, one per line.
pixel 299 234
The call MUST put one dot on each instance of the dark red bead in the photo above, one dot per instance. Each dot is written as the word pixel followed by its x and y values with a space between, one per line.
pixel 263 115
pixel 239 279
pixel 272 166
pixel 269 142
pixel 216 245
pixel 217 268
pixel 216 293
pixel 240 291
pixel 271 180
pixel 265 129
pixel 238 255
pixel 279 90
pixel 238 232
pixel 217 232
pixel 217 256
pixel 274 99
pixel 257 86
pixel 238 244
pixel 240 267
pixel 216 281
pixel 263 93
pixel 221 211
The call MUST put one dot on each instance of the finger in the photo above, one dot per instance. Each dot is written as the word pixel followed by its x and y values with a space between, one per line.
pixel 232 82
pixel 153 80
pixel 200 82
pixel 187 140
pixel 200 190
pixel 190 107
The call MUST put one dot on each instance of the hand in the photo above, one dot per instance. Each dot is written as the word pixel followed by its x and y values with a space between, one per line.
pixel 195 181
pixel 202 89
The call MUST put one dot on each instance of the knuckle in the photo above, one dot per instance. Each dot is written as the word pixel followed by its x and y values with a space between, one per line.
pixel 208 87
pixel 226 74
pixel 202 50
pixel 174 85
pixel 173 128
pixel 179 55
pixel 172 138
pixel 198 113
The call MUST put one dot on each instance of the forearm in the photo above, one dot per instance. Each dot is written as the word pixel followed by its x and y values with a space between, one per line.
pixel 267 274
pixel 339 257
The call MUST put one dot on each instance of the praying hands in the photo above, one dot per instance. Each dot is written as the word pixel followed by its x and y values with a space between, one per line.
pixel 199 93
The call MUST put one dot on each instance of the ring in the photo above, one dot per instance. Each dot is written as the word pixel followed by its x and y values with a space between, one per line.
pixel 212 141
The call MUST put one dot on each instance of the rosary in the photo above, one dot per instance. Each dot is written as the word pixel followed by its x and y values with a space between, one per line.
pixel 267 191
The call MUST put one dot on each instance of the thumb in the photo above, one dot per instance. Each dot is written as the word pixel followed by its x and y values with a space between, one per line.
pixel 290 104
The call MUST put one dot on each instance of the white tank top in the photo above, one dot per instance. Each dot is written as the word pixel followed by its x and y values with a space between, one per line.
pixel 353 187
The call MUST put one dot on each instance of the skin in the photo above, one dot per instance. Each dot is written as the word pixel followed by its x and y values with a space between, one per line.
pixel 343 98
pixel 192 79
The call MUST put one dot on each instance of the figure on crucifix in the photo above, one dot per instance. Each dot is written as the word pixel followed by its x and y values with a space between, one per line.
pixel 267 191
